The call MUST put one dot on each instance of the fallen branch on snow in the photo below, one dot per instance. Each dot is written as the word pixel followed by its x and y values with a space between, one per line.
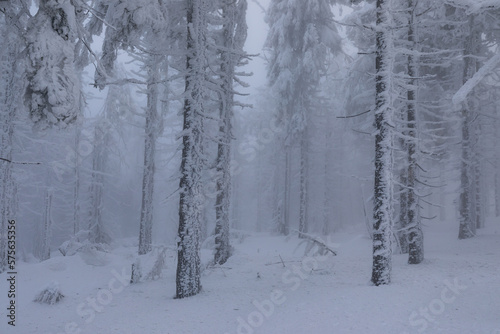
pixel 317 241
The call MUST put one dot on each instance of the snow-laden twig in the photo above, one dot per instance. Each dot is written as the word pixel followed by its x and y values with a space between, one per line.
pixel 484 71
pixel 316 241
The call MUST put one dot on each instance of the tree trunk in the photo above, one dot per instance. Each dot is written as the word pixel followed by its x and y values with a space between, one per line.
pixel 151 132
pixel 497 163
pixel 303 223
pixel 43 238
pixel 467 227
pixel 9 97
pixel 76 186
pixel 191 202
pixel 381 270
pixel 327 201
pixel 285 228
pixel 402 226
pixel 222 205
pixel 415 235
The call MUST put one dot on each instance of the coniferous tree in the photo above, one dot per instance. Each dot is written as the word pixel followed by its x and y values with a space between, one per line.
pixel 382 225
pixel 301 36
pixel 234 31
pixel 52 93
pixel 191 187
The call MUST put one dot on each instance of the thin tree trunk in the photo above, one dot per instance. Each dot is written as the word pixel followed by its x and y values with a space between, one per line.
pixel 382 253
pixel 467 227
pixel 222 205
pixel 403 210
pixel 497 164
pixel 151 132
pixel 96 224
pixel 303 223
pixel 43 238
pixel 327 201
pixel 415 235
pixel 285 228
pixel 76 187
pixel 478 178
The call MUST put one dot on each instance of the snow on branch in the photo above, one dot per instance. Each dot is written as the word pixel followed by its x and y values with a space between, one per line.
pixel 475 6
pixel 484 71
pixel 316 241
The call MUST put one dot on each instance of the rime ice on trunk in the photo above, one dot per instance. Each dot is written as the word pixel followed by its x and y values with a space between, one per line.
pixel 151 132
pixel 303 223
pixel 228 64
pixel 467 207
pixel 191 187
pixel 285 227
pixel 76 187
pixel 98 234
pixel 402 232
pixel 381 270
pixel 8 102
pixel 43 237
pixel 415 235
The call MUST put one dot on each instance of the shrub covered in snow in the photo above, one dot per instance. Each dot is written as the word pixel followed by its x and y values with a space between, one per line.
pixel 50 294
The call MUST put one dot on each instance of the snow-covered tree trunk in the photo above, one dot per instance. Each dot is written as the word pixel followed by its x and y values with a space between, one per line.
pixel 151 134
pixel 327 200
pixel 304 160
pixel 285 227
pixel 278 189
pixel 192 200
pixel 402 233
pixel 98 234
pixel 478 175
pixel 382 225
pixel 9 95
pixel 497 163
pixel 415 235
pixel 233 35
pixel 76 186
pixel 222 204
pixel 467 208
pixel 43 237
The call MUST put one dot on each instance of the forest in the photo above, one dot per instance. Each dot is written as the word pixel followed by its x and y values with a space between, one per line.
pixel 282 158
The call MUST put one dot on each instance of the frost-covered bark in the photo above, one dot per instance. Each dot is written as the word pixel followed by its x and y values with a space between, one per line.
pixel 234 36
pixel 467 208
pixel 304 159
pixel 151 129
pixel 52 93
pixel 41 249
pixel 76 187
pixel 10 89
pixel 382 252
pixel 98 234
pixel 415 235
pixel 191 186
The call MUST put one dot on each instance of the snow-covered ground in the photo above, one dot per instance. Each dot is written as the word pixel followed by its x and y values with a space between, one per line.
pixel 269 286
